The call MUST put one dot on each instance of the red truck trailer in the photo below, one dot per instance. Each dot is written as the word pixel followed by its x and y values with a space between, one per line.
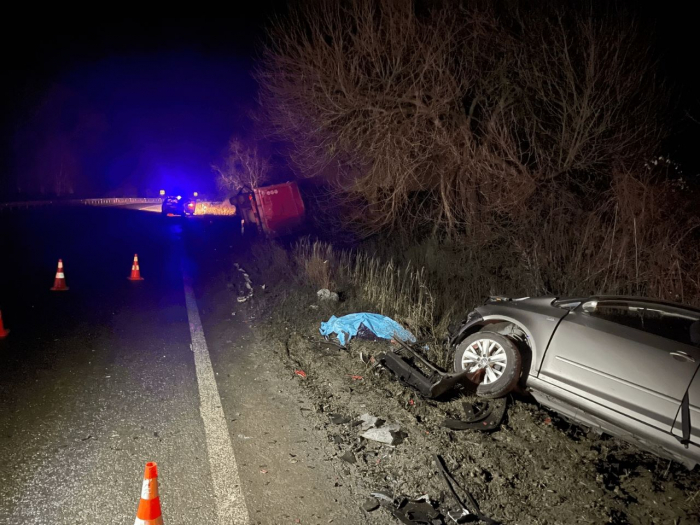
pixel 279 208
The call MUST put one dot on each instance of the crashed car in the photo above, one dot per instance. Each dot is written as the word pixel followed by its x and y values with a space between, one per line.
pixel 621 365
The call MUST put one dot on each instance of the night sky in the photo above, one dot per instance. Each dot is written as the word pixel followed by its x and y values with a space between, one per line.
pixel 143 104
pixel 140 104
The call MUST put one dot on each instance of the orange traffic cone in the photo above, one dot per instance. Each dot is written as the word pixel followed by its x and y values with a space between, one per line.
pixel 59 284
pixel 149 506
pixel 135 270
pixel 3 332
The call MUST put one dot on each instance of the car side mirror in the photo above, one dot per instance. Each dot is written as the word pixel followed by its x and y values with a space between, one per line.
pixel 589 306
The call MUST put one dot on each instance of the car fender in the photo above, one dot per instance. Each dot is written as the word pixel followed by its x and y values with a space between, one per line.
pixel 538 324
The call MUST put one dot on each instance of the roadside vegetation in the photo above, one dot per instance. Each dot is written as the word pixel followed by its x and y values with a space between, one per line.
pixel 480 150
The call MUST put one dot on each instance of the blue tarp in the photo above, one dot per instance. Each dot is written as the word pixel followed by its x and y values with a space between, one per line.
pixel 346 327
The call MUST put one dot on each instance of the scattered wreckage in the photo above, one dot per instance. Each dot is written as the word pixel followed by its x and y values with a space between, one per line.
pixel 623 366
pixel 423 510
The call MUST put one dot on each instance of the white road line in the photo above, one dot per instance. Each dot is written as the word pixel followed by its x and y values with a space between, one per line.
pixel 231 507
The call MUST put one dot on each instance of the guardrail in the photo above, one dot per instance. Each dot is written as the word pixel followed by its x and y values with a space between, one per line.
pixel 117 201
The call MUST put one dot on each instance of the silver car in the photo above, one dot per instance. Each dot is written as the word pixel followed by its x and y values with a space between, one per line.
pixel 621 365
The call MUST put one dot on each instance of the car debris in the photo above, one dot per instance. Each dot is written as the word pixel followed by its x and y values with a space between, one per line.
pixel 484 416
pixel 461 515
pixel 388 433
pixel 376 429
pixel 248 284
pixel 370 505
pixel 411 512
pixel 419 373
pixel 339 419
pixel 365 325
pixel 368 421
pixel 349 457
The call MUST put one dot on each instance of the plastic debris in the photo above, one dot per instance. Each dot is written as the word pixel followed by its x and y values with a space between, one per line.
pixel 370 505
pixel 349 457
pixel 368 421
pixel 389 433
pixel 463 513
pixel 417 511
pixel 300 373
pixel 324 294
pixel 339 419
pixel 486 416
pixel 377 325
pixel 248 285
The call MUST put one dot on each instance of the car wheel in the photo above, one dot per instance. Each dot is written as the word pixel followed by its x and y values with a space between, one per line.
pixel 493 361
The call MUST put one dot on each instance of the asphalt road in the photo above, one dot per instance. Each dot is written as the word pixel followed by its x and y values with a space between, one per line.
pixel 98 380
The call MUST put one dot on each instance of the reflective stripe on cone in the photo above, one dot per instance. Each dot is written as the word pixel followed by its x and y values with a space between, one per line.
pixel 149 512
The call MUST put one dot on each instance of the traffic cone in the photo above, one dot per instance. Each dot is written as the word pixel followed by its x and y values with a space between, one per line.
pixel 59 284
pixel 149 506
pixel 3 332
pixel 135 270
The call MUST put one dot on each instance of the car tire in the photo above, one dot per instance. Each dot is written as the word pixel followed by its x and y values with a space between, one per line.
pixel 497 353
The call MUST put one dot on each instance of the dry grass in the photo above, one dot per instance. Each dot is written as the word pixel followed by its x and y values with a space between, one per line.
pixel 401 292
pixel 214 208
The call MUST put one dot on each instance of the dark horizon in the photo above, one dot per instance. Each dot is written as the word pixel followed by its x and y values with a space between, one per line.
pixel 134 105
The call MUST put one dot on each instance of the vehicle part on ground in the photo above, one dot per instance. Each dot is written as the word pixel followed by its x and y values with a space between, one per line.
pixel 486 417
pixel 411 512
pixel 388 433
pixel 248 284
pixel 492 361
pixel 432 383
pixel 625 366
pixel 452 486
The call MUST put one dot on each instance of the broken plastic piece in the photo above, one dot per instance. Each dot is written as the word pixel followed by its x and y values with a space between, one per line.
pixel 349 457
pixel 300 373
pixel 410 512
pixel 369 421
pixel 390 434
pixel 370 505
pixel 488 417
pixel 433 385
pixel 452 485
pixel 339 419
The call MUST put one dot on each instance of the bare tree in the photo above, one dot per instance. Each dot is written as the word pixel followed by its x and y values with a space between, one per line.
pixel 243 168
pixel 438 114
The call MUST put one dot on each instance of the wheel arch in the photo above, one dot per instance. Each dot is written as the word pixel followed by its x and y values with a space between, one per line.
pixel 528 348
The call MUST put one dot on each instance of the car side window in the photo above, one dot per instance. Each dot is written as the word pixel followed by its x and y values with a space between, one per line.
pixel 619 313
pixel 651 319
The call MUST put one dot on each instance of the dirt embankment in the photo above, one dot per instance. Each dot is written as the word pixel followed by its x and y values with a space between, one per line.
pixel 535 469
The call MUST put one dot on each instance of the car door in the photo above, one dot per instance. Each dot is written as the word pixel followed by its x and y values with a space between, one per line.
pixel 603 351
